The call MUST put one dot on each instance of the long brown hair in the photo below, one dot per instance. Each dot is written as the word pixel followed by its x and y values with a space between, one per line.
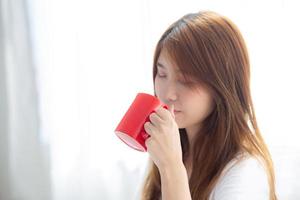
pixel 209 48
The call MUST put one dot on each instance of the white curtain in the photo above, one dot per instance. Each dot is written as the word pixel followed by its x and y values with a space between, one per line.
pixel 87 67
pixel 24 171
pixel 91 58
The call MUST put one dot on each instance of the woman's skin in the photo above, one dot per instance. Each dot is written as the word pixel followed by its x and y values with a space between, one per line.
pixel 187 109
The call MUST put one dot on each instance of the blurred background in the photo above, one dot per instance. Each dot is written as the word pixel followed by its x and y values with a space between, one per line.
pixel 69 70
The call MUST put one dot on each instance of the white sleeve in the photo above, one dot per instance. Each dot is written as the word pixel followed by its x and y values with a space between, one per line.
pixel 244 180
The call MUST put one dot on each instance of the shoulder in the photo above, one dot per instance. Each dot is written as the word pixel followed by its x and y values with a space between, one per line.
pixel 243 178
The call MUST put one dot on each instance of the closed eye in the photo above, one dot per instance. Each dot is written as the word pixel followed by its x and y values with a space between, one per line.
pixel 161 75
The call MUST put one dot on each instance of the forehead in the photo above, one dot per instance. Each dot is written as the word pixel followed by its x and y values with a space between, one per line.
pixel 165 62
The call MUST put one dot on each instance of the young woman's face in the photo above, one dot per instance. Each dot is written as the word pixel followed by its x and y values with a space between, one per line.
pixel 191 106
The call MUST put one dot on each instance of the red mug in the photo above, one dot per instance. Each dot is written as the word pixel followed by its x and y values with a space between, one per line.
pixel 131 128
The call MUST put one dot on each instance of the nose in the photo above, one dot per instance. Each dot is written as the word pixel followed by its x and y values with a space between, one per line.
pixel 171 93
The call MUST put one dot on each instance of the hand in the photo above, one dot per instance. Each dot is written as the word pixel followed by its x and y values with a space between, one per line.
pixel 163 145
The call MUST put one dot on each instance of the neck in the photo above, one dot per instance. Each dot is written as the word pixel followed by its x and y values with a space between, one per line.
pixel 192 132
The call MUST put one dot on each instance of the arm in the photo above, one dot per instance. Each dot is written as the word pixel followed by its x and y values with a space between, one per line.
pixel 175 183
pixel 164 148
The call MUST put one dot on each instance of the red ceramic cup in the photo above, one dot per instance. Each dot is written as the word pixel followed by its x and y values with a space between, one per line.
pixel 131 128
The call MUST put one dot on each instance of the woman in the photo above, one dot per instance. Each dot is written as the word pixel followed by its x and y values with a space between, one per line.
pixel 208 144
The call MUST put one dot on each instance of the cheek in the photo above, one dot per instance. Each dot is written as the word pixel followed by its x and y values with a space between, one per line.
pixel 158 87
pixel 208 106
pixel 201 107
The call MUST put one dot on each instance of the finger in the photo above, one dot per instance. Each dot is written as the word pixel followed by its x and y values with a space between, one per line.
pixel 149 128
pixel 163 113
pixel 148 143
pixel 155 119
pixel 171 109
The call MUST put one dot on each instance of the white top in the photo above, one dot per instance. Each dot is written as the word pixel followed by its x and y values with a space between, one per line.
pixel 242 180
